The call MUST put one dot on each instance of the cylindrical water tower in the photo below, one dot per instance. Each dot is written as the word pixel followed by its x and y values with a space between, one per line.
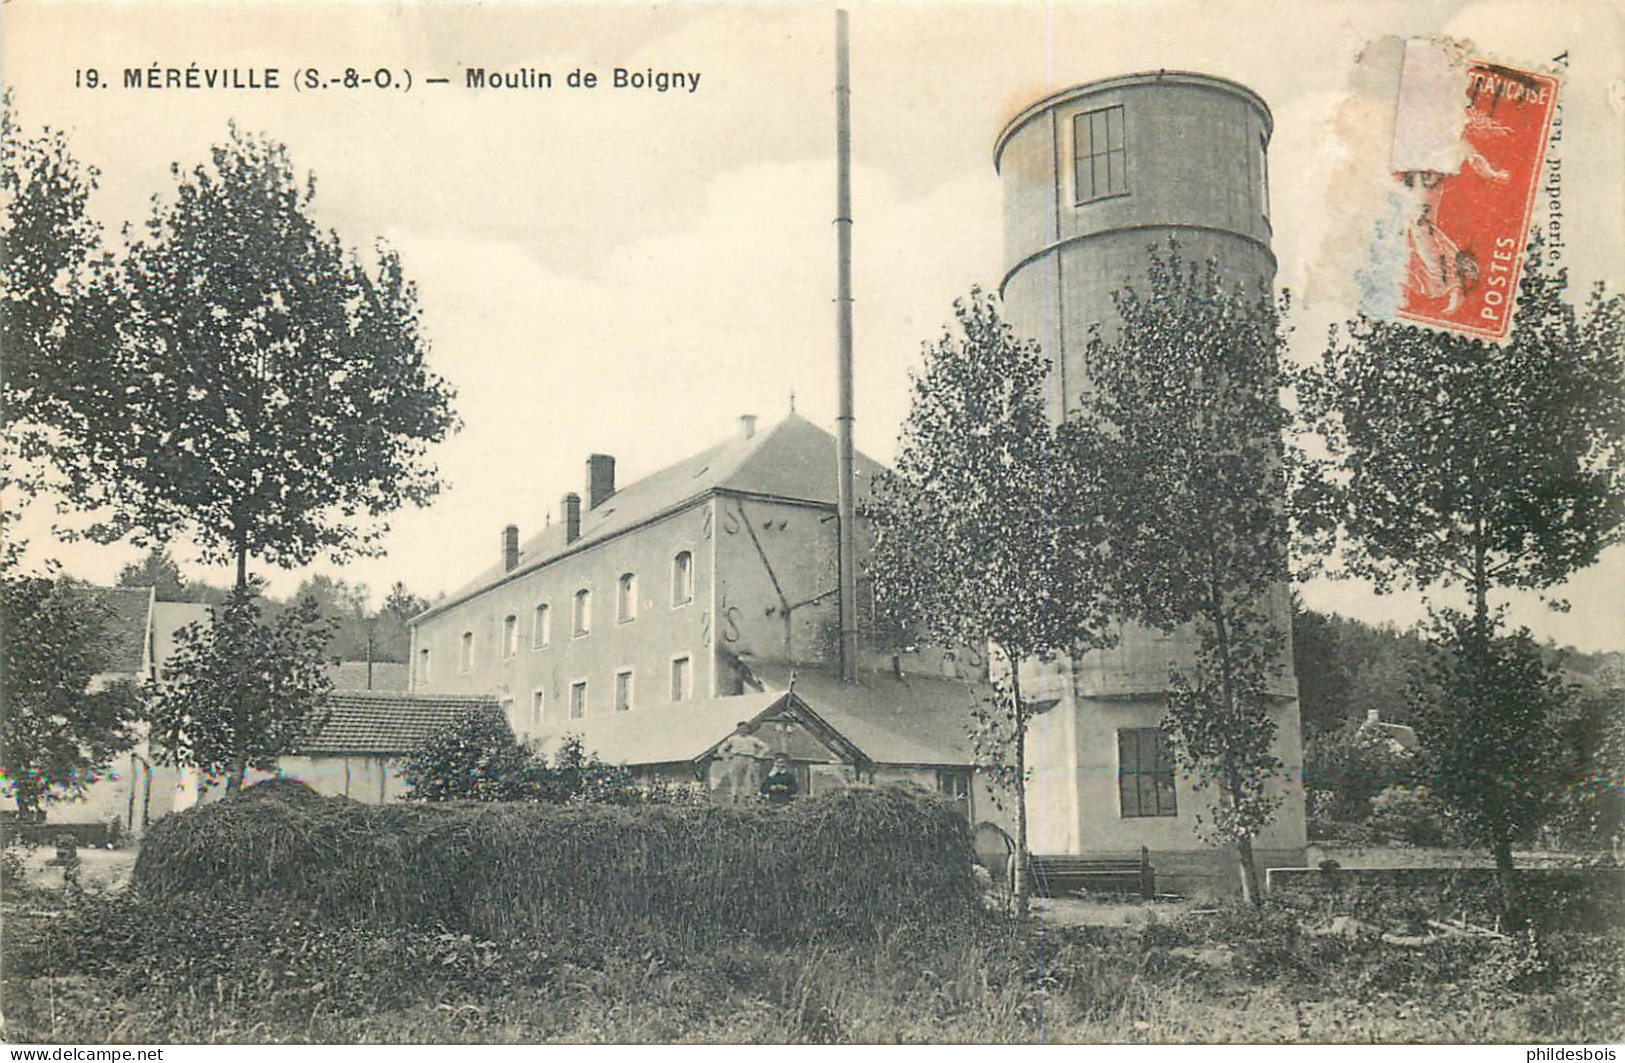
pixel 1096 174
pixel 1094 177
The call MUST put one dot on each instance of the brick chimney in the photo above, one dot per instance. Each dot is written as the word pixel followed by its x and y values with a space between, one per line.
pixel 570 513
pixel 747 425
pixel 600 479
pixel 510 548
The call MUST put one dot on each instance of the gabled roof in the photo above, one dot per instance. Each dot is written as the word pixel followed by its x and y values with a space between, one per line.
pixel 915 720
pixel 122 638
pixel 794 459
pixel 390 724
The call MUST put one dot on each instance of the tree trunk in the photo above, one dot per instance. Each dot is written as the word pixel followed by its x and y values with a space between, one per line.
pixel 1023 858
pixel 239 715
pixel 1506 880
pixel 1246 863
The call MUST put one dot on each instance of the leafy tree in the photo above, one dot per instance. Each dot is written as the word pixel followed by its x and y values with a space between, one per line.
pixel 1462 464
pixel 476 757
pixel 241 691
pixel 392 636
pixel 273 395
pixel 158 571
pixel 345 607
pixel 1354 764
pixel 1483 712
pixel 1182 423
pixel 982 532
pixel 59 733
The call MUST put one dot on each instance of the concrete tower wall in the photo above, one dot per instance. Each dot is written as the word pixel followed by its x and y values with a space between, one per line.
pixel 1094 177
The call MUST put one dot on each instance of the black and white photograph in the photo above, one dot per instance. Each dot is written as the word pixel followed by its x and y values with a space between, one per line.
pixel 1009 522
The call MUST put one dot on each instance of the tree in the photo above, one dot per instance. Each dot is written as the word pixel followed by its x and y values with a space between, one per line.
pixel 50 253
pixel 60 733
pixel 392 635
pixel 981 532
pixel 1182 423
pixel 345 607
pixel 273 397
pixel 158 571
pixel 1459 463
pixel 473 758
pixel 240 692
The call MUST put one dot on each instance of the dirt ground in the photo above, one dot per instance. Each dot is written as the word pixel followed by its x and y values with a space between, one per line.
pixel 107 868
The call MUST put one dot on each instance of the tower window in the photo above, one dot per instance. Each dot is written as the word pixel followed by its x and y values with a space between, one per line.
pixel 1145 773
pixel 1099 156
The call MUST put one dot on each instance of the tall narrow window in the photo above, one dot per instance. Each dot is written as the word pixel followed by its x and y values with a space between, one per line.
pixel 682 579
pixel 510 635
pixel 1264 173
pixel 679 678
pixel 1145 773
pixel 578 699
pixel 466 662
pixel 623 690
pixel 582 618
pixel 538 703
pixel 423 666
pixel 626 598
pixel 1100 162
pixel 540 633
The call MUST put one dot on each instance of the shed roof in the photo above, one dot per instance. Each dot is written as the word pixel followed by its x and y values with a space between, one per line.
pixel 670 734
pixel 380 723
pixel 794 459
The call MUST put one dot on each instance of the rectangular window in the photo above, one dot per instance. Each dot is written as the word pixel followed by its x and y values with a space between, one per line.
pixel 578 700
pixel 540 633
pixel 679 678
pixel 623 690
pixel 507 713
pixel 466 662
pixel 1100 162
pixel 510 635
pixel 1264 173
pixel 538 702
pixel 423 666
pixel 1145 773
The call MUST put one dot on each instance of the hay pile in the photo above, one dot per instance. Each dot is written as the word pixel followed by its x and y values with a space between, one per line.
pixel 854 862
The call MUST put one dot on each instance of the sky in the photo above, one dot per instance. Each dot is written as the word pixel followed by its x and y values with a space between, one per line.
pixel 627 271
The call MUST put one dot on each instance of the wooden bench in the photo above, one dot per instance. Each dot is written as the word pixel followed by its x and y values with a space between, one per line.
pixel 1057 876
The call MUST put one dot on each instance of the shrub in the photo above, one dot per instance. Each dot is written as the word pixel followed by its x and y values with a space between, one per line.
pixel 847 863
pixel 1412 816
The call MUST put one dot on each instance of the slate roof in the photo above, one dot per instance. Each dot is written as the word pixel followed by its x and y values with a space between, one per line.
pixel 375 722
pixel 793 459
pixel 917 720
pixel 122 639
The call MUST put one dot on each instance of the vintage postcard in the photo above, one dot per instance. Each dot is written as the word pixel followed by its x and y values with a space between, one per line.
pixel 733 522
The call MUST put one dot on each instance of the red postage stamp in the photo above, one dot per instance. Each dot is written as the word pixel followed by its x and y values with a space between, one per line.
pixel 1469 142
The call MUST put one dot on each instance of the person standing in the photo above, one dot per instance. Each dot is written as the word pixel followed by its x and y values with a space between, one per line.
pixel 743 756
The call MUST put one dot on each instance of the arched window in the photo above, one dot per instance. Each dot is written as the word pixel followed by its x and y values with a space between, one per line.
pixel 626 598
pixel 582 619
pixel 682 579
pixel 510 635
pixel 540 634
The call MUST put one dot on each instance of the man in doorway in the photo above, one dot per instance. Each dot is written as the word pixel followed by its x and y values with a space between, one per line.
pixel 743 757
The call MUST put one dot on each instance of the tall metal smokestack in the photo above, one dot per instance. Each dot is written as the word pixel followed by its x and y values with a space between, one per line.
pixel 843 321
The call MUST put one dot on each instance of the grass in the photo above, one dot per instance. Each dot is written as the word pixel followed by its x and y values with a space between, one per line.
pixel 90 967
